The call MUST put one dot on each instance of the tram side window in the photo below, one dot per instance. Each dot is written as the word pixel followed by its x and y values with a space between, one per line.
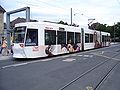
pixel 87 38
pixel 70 37
pixel 91 38
pixel 103 38
pixel 50 37
pixel 77 37
pixel 61 37
pixel 106 39
pixel 31 37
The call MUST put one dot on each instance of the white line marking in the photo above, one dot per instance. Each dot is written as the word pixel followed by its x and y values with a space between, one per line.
pixel 47 59
pixel 86 55
pixel 116 59
pixel 106 56
pixel 14 65
pixel 7 66
pixel 69 60
pixel 102 52
pixel 80 55
pixel 65 56
pixel 21 64
pixel 73 55
pixel 100 55
pixel 91 56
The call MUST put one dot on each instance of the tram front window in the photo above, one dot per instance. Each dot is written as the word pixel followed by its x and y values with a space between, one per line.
pixel 19 34
pixel 31 37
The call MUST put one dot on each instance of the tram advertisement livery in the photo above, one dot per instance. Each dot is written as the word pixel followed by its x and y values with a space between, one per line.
pixel 35 39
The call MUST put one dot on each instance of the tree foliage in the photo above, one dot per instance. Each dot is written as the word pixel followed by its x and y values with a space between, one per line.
pixel 65 23
pixel 114 30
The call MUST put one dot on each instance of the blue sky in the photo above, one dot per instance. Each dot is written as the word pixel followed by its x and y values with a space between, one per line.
pixel 106 12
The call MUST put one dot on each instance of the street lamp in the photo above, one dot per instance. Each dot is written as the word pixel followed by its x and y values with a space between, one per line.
pixel 78 13
pixel 90 20
pixel 71 15
pixel 82 19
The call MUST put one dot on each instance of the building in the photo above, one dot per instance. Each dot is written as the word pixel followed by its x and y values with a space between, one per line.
pixel 19 20
pixel 2 11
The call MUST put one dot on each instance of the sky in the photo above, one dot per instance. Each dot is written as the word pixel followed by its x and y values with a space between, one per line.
pixel 103 11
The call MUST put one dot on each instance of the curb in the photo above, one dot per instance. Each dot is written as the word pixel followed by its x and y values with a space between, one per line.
pixel 5 57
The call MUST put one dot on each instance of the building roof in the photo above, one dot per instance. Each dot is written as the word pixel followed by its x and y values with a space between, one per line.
pixel 20 20
pixel 2 9
pixel 17 20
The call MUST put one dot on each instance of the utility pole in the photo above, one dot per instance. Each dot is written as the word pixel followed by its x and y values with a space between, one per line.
pixel 71 16
pixel 114 32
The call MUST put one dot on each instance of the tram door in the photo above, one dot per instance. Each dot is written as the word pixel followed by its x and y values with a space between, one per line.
pixel 82 40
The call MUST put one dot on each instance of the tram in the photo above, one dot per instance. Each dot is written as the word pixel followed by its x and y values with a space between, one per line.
pixel 42 39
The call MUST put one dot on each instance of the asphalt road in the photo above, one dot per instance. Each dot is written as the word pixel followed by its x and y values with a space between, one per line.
pixel 96 69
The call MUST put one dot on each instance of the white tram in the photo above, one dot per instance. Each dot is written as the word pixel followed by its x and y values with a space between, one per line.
pixel 35 39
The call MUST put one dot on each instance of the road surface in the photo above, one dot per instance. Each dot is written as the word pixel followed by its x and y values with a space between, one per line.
pixel 97 69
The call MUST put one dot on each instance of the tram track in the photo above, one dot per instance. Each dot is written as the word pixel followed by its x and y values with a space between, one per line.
pixel 90 70
pixel 106 76
pixel 58 74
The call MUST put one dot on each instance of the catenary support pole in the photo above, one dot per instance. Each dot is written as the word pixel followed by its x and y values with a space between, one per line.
pixel 27 9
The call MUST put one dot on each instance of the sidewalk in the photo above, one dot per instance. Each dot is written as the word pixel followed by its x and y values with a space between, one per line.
pixel 9 56
pixel 114 43
pixel 6 57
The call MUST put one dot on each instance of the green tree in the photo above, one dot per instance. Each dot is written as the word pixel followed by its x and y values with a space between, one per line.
pixel 61 22
pixel 117 31
pixel 98 26
pixel 110 29
pixel 101 27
